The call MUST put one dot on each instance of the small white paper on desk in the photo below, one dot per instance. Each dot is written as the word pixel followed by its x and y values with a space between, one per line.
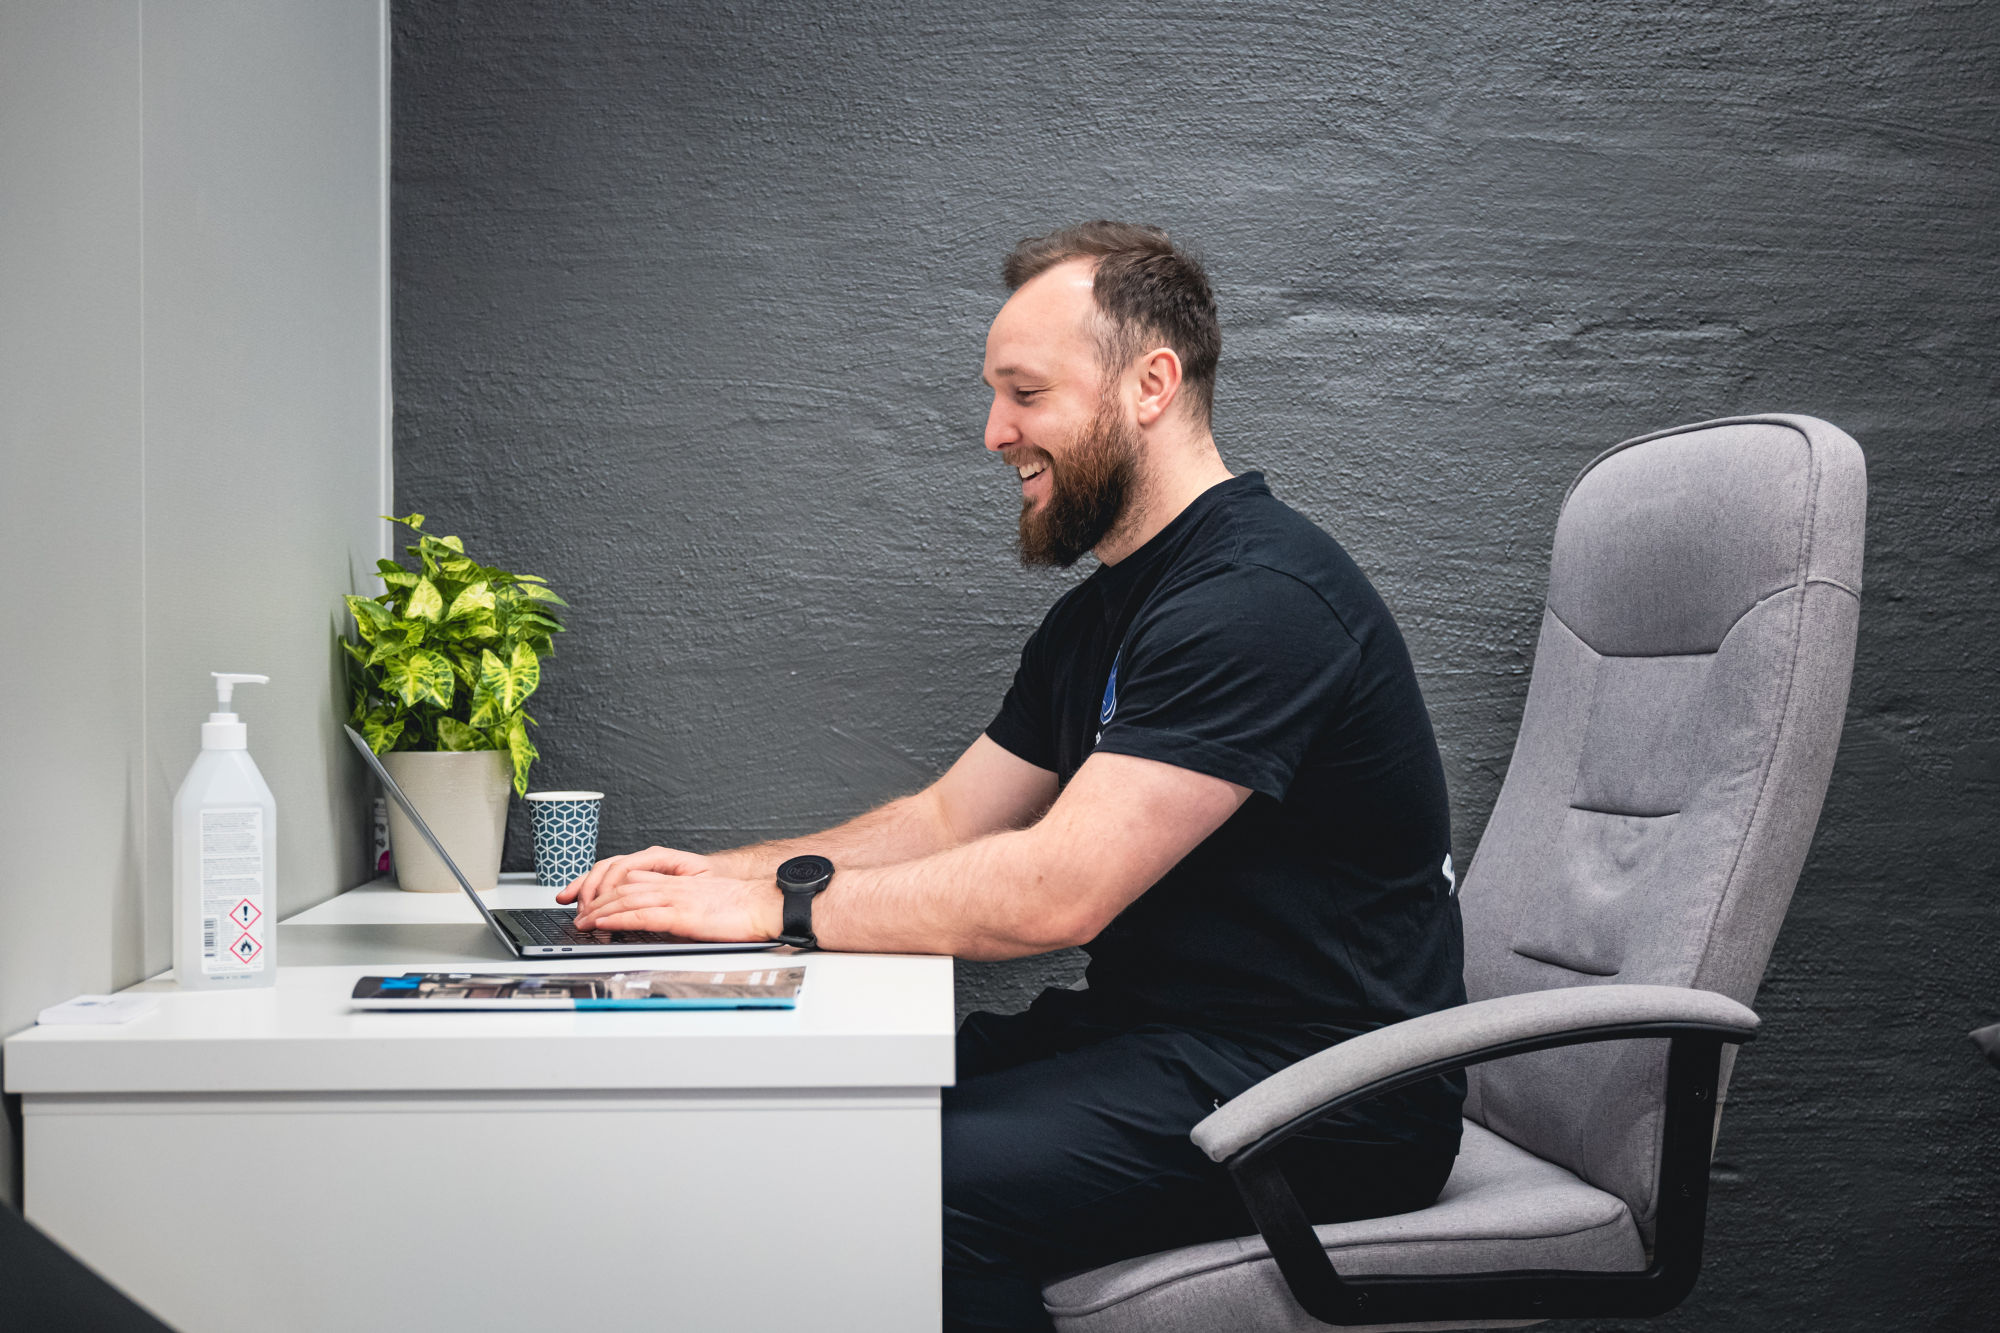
pixel 98 1009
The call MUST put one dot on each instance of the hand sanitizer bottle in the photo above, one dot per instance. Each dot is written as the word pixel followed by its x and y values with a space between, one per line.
pixel 225 858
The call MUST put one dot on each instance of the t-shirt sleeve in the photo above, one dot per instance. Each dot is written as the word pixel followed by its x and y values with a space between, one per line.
pixel 1233 677
pixel 1024 727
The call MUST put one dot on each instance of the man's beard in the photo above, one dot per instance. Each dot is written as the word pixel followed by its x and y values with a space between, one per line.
pixel 1088 492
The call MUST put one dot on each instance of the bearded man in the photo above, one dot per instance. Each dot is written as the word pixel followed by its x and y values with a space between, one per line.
pixel 1213 771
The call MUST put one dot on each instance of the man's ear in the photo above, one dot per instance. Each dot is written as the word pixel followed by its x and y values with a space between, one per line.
pixel 1159 383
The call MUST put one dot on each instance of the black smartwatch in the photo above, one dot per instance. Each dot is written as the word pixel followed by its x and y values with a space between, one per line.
pixel 800 879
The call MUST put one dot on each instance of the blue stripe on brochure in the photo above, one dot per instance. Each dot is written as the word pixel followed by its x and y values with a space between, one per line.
pixel 685 1004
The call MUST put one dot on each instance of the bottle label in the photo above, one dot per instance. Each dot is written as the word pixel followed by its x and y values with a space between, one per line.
pixel 233 926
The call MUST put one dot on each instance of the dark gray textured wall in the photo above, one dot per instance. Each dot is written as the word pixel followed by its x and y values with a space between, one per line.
pixel 689 308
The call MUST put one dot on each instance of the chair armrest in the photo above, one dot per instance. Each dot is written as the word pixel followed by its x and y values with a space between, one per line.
pixel 1423 1047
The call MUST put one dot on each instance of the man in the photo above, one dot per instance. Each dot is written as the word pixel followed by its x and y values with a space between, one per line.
pixel 1213 771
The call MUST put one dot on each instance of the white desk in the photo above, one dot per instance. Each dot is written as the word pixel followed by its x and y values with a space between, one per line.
pixel 273 1160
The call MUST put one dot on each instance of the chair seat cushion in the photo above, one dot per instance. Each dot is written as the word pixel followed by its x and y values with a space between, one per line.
pixel 1503 1208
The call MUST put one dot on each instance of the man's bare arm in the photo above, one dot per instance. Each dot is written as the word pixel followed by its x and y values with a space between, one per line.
pixel 987 790
pixel 1121 824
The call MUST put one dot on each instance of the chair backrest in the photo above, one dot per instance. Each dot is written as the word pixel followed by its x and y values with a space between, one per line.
pixel 1687 699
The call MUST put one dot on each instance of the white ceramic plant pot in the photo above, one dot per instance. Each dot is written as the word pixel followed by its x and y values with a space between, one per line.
pixel 463 798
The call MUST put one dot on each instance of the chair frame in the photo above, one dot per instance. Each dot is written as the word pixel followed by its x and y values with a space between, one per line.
pixel 1694 1062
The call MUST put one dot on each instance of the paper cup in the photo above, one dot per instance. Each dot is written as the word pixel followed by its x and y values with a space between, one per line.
pixel 565 834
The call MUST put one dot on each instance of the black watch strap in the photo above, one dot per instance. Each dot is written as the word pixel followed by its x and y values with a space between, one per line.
pixel 798 930
pixel 800 880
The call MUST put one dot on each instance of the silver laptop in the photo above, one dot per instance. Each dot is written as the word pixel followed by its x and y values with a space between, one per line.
pixel 542 932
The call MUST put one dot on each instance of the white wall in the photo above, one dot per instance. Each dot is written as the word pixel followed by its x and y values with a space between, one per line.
pixel 193 445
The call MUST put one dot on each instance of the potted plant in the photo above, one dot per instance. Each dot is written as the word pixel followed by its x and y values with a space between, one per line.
pixel 439 672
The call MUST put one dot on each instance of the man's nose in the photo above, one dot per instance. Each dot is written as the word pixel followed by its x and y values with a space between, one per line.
pixel 1000 428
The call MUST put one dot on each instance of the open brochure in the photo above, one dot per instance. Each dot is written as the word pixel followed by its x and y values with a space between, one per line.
pixel 768 988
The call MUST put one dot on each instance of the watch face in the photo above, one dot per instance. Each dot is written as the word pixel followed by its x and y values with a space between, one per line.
pixel 802 872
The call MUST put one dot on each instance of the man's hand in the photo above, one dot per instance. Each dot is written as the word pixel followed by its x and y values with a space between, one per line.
pixel 613 871
pixel 701 906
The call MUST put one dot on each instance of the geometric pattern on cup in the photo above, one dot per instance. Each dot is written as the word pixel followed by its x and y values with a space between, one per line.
pixel 565 840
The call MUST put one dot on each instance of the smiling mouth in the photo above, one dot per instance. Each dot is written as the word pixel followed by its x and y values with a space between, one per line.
pixel 1029 471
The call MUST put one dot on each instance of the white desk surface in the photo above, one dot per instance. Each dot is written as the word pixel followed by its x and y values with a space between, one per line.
pixel 863 1021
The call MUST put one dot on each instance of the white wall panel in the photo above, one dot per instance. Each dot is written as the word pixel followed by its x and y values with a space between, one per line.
pixel 265 180
pixel 193 444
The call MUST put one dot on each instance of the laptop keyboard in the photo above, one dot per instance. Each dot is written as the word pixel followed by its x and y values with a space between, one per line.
pixel 553 926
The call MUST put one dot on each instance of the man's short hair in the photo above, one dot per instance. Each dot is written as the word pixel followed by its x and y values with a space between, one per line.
pixel 1148 290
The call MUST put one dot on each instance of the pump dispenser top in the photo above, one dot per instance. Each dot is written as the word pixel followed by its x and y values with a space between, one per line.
pixel 223 731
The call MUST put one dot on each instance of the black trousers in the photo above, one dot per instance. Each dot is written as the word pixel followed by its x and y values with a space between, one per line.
pixel 1066 1146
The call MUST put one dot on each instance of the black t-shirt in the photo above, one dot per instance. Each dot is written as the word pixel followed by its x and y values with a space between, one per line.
pixel 1248 646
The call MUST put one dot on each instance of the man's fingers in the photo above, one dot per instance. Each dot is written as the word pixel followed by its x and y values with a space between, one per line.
pixel 652 891
pixel 649 918
pixel 676 919
pixel 610 871
pixel 628 881
pixel 630 896
pixel 701 907
pixel 585 889
pixel 654 864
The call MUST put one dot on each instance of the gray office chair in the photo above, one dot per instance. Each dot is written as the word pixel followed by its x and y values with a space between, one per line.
pixel 1680 728
pixel 1988 1041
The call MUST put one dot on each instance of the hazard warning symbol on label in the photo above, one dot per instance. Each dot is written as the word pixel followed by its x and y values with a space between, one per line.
pixel 244 914
pixel 246 947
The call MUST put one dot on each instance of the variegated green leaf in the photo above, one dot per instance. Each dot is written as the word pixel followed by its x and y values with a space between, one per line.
pixel 492 677
pixel 509 683
pixel 400 578
pixel 526 667
pixel 426 603
pixel 540 593
pixel 480 628
pixel 370 616
pixel 456 735
pixel 398 639
pixel 355 676
pixel 522 751
pixel 407 520
pixel 477 598
pixel 420 676
pixel 381 729
pixel 486 710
